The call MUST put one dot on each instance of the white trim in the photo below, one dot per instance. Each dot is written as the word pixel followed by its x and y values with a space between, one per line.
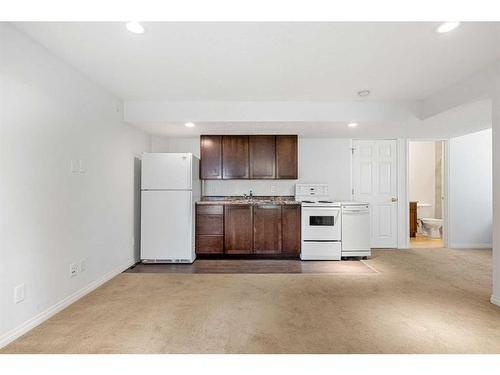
pixel 351 167
pixel 471 246
pixel 495 300
pixel 446 186
pixel 446 191
pixel 403 194
pixel 61 305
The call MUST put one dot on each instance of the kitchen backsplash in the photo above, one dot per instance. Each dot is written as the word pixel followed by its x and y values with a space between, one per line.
pixel 240 187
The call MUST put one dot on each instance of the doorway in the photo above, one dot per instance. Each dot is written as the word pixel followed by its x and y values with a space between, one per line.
pixel 426 193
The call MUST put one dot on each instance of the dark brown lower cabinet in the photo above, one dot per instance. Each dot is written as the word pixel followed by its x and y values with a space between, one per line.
pixel 238 229
pixel 267 229
pixel 209 229
pixel 209 244
pixel 291 230
pixel 210 224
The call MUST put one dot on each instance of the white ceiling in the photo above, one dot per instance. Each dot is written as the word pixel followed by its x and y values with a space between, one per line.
pixel 460 120
pixel 270 61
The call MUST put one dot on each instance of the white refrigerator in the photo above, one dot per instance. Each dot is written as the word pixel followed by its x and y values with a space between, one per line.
pixel 170 186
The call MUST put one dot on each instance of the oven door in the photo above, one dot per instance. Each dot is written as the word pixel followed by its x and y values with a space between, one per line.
pixel 321 223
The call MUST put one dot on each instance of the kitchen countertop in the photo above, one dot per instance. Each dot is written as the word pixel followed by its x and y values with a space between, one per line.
pixel 235 200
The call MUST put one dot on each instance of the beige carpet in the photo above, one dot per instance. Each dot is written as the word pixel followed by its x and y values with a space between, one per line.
pixel 421 301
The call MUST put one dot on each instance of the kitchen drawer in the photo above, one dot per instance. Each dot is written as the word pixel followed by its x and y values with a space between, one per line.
pixel 210 209
pixel 321 250
pixel 209 244
pixel 209 224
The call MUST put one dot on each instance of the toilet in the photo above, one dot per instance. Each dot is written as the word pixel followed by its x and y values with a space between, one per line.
pixel 432 227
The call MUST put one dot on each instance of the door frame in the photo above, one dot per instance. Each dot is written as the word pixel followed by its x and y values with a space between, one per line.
pixel 446 189
pixel 402 216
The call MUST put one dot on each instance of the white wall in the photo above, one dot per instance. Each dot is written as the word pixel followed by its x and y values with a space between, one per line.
pixel 495 297
pixel 161 111
pixel 422 176
pixel 50 217
pixel 326 160
pixel 165 144
pixel 470 190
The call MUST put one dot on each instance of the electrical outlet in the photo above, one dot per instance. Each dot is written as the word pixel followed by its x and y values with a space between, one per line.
pixel 83 266
pixel 73 269
pixel 19 293
pixel 74 167
pixel 273 189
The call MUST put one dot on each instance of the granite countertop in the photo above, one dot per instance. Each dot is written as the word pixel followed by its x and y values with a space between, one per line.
pixel 234 200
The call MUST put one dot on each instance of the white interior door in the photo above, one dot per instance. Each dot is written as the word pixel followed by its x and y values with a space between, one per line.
pixel 374 175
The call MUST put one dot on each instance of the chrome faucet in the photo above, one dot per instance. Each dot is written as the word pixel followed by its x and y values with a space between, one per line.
pixel 251 194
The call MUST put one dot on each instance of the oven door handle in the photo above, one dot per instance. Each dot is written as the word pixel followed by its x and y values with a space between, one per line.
pixel 314 212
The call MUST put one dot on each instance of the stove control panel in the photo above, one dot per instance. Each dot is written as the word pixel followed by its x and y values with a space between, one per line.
pixel 311 190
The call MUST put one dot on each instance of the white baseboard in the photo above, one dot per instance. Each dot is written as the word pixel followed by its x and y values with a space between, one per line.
pixel 471 246
pixel 495 300
pixel 61 305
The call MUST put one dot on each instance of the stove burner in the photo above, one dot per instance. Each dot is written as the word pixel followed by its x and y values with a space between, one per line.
pixel 325 202
pixel 308 201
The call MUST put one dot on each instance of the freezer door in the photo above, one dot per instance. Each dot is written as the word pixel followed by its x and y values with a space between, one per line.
pixel 166 171
pixel 167 226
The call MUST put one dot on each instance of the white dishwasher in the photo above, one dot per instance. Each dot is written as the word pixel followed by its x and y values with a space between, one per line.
pixel 356 231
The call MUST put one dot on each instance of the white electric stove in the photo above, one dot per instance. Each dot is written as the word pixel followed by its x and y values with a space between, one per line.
pixel 321 223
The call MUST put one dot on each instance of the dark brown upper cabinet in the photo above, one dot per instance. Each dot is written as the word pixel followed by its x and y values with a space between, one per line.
pixel 267 229
pixel 286 157
pixel 262 156
pixel 243 157
pixel 211 157
pixel 235 160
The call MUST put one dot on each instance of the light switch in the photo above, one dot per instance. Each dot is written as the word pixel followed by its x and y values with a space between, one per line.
pixel 19 293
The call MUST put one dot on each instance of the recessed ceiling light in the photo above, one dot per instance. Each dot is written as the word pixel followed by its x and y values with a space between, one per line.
pixel 352 124
pixel 363 93
pixel 447 26
pixel 135 27
pixel 189 125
